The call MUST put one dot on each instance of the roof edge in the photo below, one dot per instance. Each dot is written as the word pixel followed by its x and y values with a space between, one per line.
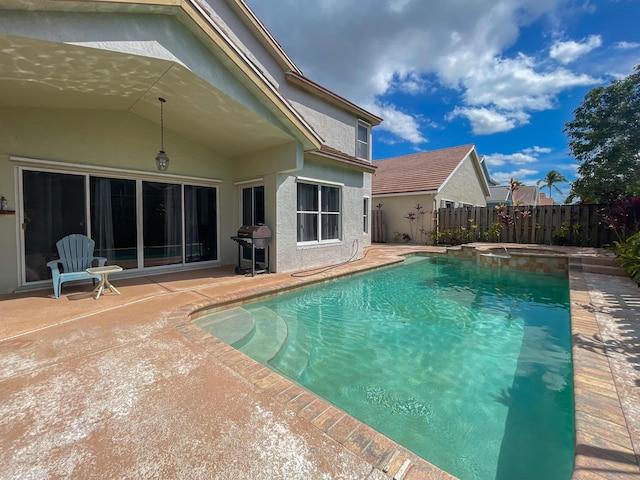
pixel 404 194
pixel 302 82
pixel 251 20
pixel 475 159
pixel 329 153
pixel 247 67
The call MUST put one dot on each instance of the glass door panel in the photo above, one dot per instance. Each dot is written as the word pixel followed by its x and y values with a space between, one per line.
pixel 201 225
pixel 162 223
pixel 113 220
pixel 253 214
pixel 54 207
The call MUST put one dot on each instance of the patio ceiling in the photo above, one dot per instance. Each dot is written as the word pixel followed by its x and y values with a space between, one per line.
pixel 42 74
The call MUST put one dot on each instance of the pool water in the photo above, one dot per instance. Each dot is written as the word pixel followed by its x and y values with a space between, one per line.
pixel 467 366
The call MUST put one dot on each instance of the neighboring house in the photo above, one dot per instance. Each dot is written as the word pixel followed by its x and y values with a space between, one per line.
pixel 544 200
pixel 249 138
pixel 499 195
pixel 451 177
pixel 485 169
pixel 526 195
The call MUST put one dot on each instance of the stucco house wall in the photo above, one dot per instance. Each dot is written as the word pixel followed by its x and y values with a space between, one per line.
pixel 293 256
pixel 337 128
pixel 464 186
pixel 71 123
pixel 397 207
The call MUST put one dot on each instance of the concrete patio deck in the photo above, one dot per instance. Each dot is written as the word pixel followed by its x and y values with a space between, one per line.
pixel 127 387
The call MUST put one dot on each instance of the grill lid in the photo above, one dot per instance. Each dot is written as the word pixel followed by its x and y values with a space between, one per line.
pixel 254 231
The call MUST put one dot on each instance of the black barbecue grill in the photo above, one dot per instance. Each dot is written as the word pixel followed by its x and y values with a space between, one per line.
pixel 253 237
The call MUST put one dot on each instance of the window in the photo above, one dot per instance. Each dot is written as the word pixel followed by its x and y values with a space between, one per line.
pixel 365 215
pixel 318 213
pixel 362 141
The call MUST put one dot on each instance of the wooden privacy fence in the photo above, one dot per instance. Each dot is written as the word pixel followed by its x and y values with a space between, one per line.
pixel 577 225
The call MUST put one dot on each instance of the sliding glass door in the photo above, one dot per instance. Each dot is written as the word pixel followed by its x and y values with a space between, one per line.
pixel 162 221
pixel 200 226
pixel 253 214
pixel 113 220
pixel 54 206
pixel 136 224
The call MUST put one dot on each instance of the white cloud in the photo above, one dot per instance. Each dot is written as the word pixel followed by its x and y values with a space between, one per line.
pixel 627 45
pixel 536 150
pixel 485 121
pixel 523 175
pixel 569 51
pixel 571 167
pixel 389 46
pixel 527 156
pixel 399 123
pixel 515 84
pixel 498 159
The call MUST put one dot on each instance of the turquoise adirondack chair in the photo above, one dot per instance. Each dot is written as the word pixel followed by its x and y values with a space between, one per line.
pixel 76 255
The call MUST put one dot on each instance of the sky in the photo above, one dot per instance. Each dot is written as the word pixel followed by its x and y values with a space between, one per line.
pixel 504 75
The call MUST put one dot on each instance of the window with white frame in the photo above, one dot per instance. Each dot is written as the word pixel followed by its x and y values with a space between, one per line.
pixel 365 214
pixel 319 213
pixel 362 141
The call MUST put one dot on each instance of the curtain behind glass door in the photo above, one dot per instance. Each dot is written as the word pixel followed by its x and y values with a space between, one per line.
pixel 162 223
pixel 201 225
pixel 54 207
pixel 113 220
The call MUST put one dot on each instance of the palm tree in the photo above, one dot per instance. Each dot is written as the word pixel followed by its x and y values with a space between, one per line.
pixel 551 179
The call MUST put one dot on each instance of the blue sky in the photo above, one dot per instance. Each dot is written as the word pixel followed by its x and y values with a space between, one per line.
pixel 505 75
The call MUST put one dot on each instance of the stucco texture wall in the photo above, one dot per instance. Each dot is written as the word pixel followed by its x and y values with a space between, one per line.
pixel 464 186
pixel 396 208
pixel 292 256
pixel 101 139
pixel 337 128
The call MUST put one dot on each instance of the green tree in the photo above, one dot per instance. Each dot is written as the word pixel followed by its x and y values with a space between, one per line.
pixel 551 178
pixel 604 138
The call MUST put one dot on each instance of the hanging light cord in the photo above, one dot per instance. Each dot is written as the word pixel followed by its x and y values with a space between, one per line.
pixel 162 100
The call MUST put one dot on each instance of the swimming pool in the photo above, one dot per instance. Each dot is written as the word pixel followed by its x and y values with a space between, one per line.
pixel 468 367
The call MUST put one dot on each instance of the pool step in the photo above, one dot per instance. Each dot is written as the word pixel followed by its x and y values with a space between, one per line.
pixel 230 326
pixel 294 357
pixel 267 338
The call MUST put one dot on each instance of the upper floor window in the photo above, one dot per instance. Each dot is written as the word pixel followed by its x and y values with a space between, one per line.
pixel 318 210
pixel 362 141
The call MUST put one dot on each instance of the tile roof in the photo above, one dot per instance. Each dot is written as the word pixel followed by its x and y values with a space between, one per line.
pixel 419 172
pixel 526 195
pixel 499 194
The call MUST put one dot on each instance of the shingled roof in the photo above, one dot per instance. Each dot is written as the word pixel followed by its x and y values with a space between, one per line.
pixel 419 172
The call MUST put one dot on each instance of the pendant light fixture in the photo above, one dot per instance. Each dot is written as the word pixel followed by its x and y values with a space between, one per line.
pixel 162 160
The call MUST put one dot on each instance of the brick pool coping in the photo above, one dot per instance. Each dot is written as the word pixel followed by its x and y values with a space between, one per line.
pixel 603 442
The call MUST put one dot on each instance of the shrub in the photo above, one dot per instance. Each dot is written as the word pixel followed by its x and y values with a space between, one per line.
pixel 628 255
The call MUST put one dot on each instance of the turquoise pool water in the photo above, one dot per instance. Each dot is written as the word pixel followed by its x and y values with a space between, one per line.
pixel 467 366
